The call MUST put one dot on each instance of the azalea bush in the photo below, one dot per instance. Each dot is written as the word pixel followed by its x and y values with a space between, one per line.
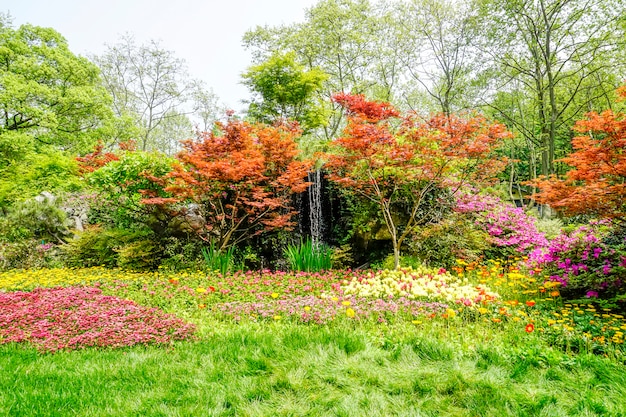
pixel 77 317
pixel 511 231
pixel 589 260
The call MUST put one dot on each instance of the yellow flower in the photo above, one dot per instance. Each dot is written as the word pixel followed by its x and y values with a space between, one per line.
pixel 200 290
pixel 307 308
pixel 483 310
pixel 451 313
pixel 274 295
pixel 416 322
pixel 277 317
pixel 345 303
pixel 350 312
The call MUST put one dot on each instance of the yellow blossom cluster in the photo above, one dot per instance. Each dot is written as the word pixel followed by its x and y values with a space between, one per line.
pixel 419 283
pixel 63 277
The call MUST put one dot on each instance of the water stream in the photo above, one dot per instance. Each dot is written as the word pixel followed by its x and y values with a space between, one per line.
pixel 316 220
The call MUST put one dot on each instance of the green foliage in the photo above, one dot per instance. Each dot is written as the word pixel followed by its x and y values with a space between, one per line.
pixel 28 254
pixel 122 184
pixel 387 262
pixel 441 243
pixel 48 170
pixel 309 256
pixel 49 96
pixel 113 248
pixel 550 227
pixel 285 89
pixel 180 254
pixel 218 260
pixel 342 257
pixel 39 218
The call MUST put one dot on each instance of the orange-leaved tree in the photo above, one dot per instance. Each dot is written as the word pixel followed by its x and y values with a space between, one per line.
pixel 399 161
pixel 240 180
pixel 597 183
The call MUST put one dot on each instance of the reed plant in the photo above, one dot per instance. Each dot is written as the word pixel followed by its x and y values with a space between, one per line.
pixel 309 256
pixel 216 259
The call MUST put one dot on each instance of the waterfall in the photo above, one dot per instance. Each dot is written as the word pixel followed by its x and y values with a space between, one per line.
pixel 315 207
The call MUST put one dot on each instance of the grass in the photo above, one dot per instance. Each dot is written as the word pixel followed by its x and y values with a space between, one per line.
pixel 455 361
pixel 296 370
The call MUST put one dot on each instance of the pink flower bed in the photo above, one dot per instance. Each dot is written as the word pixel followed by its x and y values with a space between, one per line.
pixel 76 317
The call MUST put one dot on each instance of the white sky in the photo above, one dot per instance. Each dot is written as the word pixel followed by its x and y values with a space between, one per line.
pixel 206 34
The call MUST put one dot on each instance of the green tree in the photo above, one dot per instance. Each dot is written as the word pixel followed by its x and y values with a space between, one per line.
pixel 284 89
pixel 554 55
pixel 347 40
pixel 48 95
pixel 438 54
pixel 149 86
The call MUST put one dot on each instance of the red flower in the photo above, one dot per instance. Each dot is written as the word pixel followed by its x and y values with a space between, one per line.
pixel 530 328
pixel 530 303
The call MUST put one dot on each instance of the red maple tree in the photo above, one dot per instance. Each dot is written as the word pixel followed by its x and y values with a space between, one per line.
pixel 98 158
pixel 597 183
pixel 398 160
pixel 240 181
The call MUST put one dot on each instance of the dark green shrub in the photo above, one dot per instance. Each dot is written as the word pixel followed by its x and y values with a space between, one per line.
pixel 28 254
pixel 441 243
pixel 39 218
pixel 113 248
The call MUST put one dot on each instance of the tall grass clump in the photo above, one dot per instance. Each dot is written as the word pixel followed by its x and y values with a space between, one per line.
pixel 217 260
pixel 308 256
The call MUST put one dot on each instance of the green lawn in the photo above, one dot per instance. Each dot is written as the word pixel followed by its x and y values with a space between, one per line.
pixel 276 369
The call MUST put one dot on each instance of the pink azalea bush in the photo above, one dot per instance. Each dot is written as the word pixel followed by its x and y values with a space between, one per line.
pixel 76 317
pixel 511 230
pixel 588 260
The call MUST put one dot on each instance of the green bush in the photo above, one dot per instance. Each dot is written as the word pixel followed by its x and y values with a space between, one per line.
pixel 28 254
pixel 113 248
pixel 39 218
pixel 441 243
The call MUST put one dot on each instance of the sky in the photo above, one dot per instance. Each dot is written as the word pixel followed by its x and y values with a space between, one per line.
pixel 205 33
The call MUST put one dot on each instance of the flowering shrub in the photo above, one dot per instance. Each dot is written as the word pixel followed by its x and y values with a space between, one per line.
pixel 586 260
pixel 421 283
pixel 78 317
pixel 510 229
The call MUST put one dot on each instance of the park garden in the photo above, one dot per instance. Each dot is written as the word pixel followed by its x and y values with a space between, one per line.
pixel 326 253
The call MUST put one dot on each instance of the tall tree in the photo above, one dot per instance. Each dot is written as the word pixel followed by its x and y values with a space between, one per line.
pixel 48 95
pixel 402 171
pixel 346 39
pixel 148 83
pixel 556 52
pixel 439 56
pixel 283 89
pixel 596 184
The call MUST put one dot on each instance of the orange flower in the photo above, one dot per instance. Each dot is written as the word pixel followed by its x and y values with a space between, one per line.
pixel 554 294
pixel 530 303
pixel 530 328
